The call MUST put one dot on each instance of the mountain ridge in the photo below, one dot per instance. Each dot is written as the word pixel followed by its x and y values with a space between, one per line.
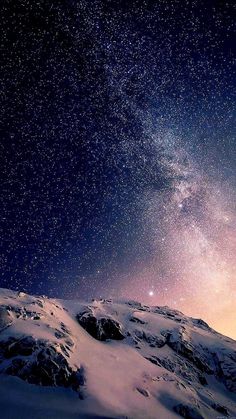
pixel 111 359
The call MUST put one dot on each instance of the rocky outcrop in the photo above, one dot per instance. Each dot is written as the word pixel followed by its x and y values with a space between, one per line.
pixel 183 369
pixel 154 341
pixel 38 362
pixel 6 318
pixel 9 313
pixel 221 409
pixel 181 343
pixel 225 368
pixel 103 328
pixel 188 412
pixel 220 364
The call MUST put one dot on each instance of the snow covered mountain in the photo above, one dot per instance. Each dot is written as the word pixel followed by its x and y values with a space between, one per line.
pixel 109 359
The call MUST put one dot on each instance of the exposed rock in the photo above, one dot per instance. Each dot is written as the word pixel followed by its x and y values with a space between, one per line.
pixel 142 391
pixel 200 323
pixel 222 365
pixel 154 360
pixel 37 317
pixel 136 320
pixel 170 313
pixel 59 334
pixel 65 329
pixel 6 318
pixel 78 379
pixel 181 343
pixel 19 312
pixel 183 369
pixel 15 312
pixel 188 412
pixel 154 341
pixel 165 362
pixel 102 328
pixel 65 350
pixel 137 305
pixel 134 303
pixel 46 366
pixel 39 303
pixel 202 379
pixel 221 409
pixel 23 346
pixel 69 342
pixel 225 366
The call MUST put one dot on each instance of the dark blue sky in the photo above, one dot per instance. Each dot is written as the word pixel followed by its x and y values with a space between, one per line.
pixel 107 107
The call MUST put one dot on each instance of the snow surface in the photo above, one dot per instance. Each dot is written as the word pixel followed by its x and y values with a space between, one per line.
pixel 162 362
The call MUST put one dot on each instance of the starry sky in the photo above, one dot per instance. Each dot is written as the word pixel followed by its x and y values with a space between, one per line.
pixel 118 152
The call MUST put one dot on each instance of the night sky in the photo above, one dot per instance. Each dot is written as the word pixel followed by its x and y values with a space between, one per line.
pixel 118 152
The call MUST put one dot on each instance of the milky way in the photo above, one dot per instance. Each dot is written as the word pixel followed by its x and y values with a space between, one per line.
pixel 118 152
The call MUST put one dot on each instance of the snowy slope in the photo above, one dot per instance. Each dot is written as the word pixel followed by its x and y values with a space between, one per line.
pixel 107 359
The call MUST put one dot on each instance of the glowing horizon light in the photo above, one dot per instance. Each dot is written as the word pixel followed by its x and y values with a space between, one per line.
pixel 151 293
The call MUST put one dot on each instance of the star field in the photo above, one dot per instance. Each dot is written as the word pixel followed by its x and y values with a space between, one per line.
pixel 118 152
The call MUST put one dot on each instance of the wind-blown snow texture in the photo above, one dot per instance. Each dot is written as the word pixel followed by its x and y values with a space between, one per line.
pixel 72 359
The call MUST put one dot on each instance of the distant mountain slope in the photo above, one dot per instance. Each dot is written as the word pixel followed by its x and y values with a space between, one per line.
pixel 108 359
